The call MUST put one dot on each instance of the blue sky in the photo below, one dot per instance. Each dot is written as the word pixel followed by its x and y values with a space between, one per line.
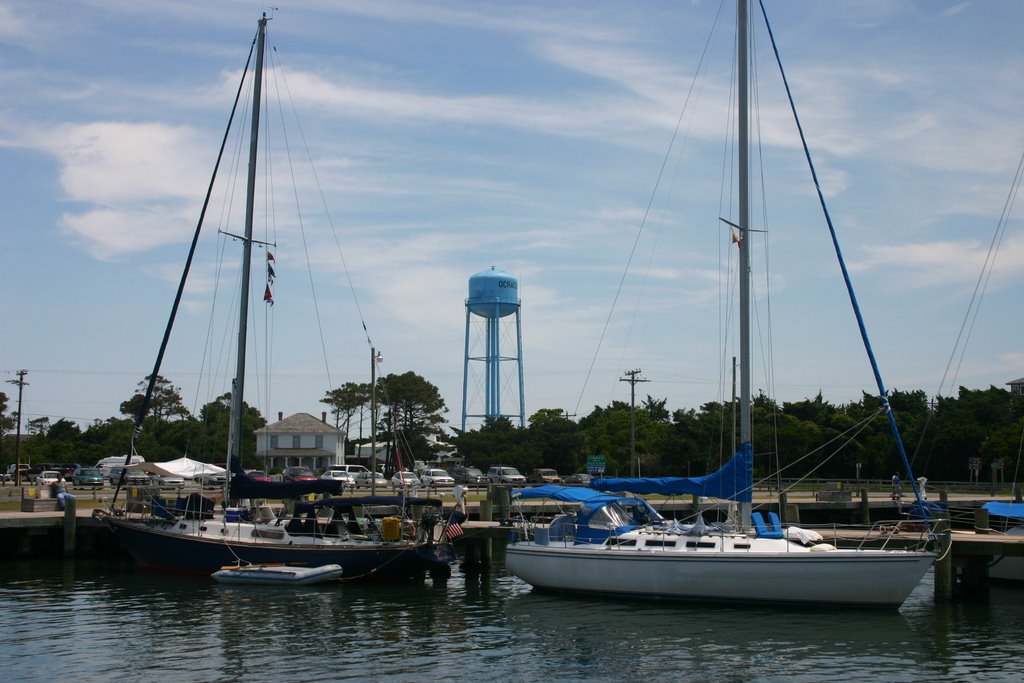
pixel 448 137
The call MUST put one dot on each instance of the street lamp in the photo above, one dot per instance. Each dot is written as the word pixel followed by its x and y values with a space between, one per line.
pixel 375 357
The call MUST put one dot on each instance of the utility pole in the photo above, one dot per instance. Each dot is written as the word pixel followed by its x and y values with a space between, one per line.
pixel 375 358
pixel 631 377
pixel 17 439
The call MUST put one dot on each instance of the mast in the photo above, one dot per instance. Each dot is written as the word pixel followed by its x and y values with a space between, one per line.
pixel 238 384
pixel 743 136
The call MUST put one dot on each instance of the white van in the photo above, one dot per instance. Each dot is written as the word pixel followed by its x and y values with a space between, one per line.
pixel 351 469
pixel 111 467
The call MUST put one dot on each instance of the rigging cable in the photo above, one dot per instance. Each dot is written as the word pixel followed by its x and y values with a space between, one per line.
pixel 640 229
pixel 971 314
pixel 144 407
pixel 882 392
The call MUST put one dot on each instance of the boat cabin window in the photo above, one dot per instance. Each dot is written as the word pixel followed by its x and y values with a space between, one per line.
pixel 609 516
pixel 651 543
pixel 701 544
pixel 622 542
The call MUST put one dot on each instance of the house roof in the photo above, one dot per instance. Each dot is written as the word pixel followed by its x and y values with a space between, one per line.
pixel 300 423
pixel 1016 381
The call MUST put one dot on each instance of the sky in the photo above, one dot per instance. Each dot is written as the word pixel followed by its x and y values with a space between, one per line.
pixel 582 146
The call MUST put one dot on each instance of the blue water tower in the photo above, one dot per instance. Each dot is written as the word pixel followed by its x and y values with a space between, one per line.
pixel 493 296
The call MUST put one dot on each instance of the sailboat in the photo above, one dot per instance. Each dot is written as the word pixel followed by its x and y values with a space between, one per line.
pixel 747 562
pixel 370 536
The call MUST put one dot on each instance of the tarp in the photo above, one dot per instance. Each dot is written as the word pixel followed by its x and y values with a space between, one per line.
pixel 735 481
pixel 244 486
pixel 1014 510
pixel 190 469
pixel 591 500
pixel 566 494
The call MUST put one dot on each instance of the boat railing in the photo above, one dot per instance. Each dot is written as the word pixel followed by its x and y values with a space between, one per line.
pixel 893 534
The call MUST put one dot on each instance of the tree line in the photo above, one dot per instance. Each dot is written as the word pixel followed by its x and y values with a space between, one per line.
pixel 814 438
pixel 808 438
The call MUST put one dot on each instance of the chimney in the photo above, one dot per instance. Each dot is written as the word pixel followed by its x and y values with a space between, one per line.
pixel 280 416
pixel 323 417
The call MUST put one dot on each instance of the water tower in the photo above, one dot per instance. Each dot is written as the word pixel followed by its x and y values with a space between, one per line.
pixel 493 295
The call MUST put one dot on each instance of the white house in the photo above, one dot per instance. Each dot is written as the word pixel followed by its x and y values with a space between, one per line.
pixel 1017 386
pixel 300 439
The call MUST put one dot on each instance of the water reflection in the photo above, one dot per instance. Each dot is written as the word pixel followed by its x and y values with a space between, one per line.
pixel 105 620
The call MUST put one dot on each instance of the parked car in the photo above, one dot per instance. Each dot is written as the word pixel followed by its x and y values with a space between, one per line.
pixel 134 477
pixel 419 466
pixel 472 476
pixel 505 475
pixel 368 478
pixel 436 477
pixel 581 479
pixel 212 480
pixel 406 479
pixel 299 473
pixel 258 475
pixel 344 477
pixel 47 477
pixel 167 481
pixel 87 476
pixel 545 475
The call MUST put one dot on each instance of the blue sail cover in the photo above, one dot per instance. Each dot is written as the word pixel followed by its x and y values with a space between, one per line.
pixel 1014 510
pixel 244 486
pixel 735 481
pixel 566 494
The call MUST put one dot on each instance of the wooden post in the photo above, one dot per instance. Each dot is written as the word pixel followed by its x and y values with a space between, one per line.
pixel 783 504
pixel 981 522
pixel 486 514
pixel 943 567
pixel 1016 493
pixel 70 526
pixel 865 507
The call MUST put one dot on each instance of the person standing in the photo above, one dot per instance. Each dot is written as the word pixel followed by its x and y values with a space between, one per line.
pixel 897 491
pixel 460 498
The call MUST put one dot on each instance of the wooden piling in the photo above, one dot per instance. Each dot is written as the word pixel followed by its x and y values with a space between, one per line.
pixel 943 568
pixel 865 507
pixel 70 526
pixel 981 522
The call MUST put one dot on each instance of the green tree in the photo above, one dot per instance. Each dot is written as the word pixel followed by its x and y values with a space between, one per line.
pixel 413 408
pixel 346 402
pixel 164 404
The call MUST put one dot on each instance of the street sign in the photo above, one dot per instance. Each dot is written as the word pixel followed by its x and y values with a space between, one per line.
pixel 595 464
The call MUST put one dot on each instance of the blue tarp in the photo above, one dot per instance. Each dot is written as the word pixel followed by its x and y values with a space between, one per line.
pixel 566 494
pixel 735 481
pixel 1014 510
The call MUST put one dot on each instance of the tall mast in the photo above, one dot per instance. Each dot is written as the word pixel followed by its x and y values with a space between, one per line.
pixel 238 385
pixel 743 135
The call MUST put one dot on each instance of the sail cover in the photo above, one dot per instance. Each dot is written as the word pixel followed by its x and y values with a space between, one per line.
pixel 244 486
pixel 1014 510
pixel 733 482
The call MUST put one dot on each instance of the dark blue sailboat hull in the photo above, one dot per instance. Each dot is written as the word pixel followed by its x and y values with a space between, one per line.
pixel 152 546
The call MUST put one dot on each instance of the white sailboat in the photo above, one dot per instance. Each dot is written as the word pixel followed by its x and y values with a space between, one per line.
pixel 737 564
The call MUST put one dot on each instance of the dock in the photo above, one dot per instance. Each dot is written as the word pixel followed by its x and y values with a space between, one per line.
pixel 966 550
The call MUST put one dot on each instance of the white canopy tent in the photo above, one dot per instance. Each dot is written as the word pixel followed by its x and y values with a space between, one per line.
pixel 185 467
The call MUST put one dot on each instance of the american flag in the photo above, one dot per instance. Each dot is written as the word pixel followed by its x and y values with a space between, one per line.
pixel 453 529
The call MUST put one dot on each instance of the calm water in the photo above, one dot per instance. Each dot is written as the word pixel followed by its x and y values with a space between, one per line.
pixel 100 621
